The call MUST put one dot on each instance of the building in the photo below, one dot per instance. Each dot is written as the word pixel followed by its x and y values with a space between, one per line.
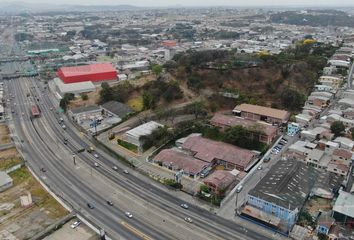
pixel 219 181
pixel 266 132
pixel 117 108
pixel 5 181
pixel 134 136
pixel 219 153
pixel 332 81
pixel 282 192
pixel 343 209
pixel 323 88
pixel 2 113
pixel 324 223
pixel 75 88
pixel 177 160
pixel 85 113
pixel 97 72
pixel 293 128
pixel 260 113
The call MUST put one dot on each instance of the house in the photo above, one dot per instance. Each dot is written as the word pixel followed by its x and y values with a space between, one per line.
pixel 119 109
pixel 177 160
pixel 134 136
pixel 219 153
pixel 348 113
pixel 219 181
pixel 333 81
pixel 318 101
pixel 260 113
pixel 75 88
pixel 5 181
pixel 323 88
pixel 303 119
pixel 266 132
pixel 293 128
pixel 343 209
pixel 345 143
pixel 346 102
pixel 317 133
pixel 85 113
pixel 324 223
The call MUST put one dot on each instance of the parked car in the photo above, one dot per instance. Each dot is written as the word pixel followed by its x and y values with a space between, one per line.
pixel 75 224
pixel 95 155
pixel 126 171
pixel 239 189
pixel 96 164
pixel 260 167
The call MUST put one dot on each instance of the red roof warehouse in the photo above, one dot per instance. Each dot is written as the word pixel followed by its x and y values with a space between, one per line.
pixel 93 72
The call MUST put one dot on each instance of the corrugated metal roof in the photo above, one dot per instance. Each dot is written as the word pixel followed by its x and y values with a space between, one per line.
pixel 87 69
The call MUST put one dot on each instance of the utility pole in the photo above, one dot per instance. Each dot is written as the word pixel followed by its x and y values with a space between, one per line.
pixel 236 204
pixel 74 159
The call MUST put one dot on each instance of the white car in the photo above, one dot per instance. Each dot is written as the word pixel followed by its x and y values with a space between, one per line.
pixel 95 155
pixel 115 168
pixel 96 164
pixel 184 205
pixel 260 167
pixel 128 214
pixel 188 219
pixel 126 171
pixel 75 224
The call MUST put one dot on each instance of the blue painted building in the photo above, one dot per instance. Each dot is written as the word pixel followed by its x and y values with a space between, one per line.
pixel 293 128
pixel 324 223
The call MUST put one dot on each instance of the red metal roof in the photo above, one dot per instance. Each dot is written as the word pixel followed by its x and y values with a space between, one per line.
pixel 93 72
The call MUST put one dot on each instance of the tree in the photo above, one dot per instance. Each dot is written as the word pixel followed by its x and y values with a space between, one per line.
pixel 292 99
pixel 197 108
pixel 337 128
pixel 149 100
pixel 106 93
pixel 64 102
pixel 84 96
pixel 352 132
pixel 156 69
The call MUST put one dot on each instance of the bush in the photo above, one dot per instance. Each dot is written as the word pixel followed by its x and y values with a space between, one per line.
pixel 127 145
pixel 173 183
pixel 84 96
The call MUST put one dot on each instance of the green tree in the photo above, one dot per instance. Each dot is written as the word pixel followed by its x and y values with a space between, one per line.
pixel 197 108
pixel 204 188
pixel 156 69
pixel 337 128
pixel 64 102
pixel 84 96
pixel 292 99
pixel 106 93
pixel 149 101
pixel 352 132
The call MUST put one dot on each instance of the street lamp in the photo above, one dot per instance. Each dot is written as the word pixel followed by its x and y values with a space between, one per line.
pixel 236 213
pixel 74 159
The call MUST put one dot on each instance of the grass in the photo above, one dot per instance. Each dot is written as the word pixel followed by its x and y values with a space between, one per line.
pixel 8 163
pixel 136 103
pixel 127 145
pixel 20 175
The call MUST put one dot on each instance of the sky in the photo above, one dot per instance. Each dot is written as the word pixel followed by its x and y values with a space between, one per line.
pixel 200 2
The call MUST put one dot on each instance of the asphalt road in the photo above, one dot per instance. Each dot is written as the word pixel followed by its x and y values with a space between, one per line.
pixel 157 214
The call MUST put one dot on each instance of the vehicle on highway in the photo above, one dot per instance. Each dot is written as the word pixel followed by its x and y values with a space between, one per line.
pixel 43 169
pixel 65 141
pixel 61 120
pixel 260 167
pixel 126 171
pixel 109 203
pixel 266 159
pixel 128 214
pixel 188 219
pixel 115 168
pixel 75 224
pixel 95 155
pixel 96 164
pixel 90 206
pixel 184 205
pixel 63 126
pixel 51 108
pixel 239 188
pixel 90 149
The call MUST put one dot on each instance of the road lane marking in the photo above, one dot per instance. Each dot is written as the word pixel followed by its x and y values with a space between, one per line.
pixel 135 231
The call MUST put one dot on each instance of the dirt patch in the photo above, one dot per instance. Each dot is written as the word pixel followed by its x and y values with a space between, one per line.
pixel 4 134
pixel 9 153
pixel 26 222
pixel 316 204
pixel 93 98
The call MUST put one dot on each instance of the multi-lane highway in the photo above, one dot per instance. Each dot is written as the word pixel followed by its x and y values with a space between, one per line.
pixel 156 213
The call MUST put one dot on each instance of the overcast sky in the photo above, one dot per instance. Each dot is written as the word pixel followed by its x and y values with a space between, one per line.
pixel 199 2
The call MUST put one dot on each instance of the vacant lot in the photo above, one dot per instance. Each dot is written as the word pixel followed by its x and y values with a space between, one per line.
pixel 25 222
pixel 4 134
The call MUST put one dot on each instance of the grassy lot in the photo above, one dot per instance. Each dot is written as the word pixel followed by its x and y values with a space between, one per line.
pixel 4 134
pixel 136 103
pixel 127 145
pixel 8 163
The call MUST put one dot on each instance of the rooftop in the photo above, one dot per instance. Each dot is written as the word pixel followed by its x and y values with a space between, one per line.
pixel 265 111
pixel 144 129
pixel 220 178
pixel 344 204
pixel 87 69
pixel 208 150
pixel 85 109
pixel 118 108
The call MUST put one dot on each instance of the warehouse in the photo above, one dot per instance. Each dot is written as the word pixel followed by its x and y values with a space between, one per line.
pixel 75 88
pixel 94 72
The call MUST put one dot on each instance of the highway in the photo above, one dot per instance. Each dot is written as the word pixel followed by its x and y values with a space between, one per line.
pixel 157 214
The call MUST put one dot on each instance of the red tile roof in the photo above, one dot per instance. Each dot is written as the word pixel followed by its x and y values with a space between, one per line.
pixel 342 153
pixel 264 111
pixel 208 150
pixel 180 160
pixel 220 179
pixel 231 121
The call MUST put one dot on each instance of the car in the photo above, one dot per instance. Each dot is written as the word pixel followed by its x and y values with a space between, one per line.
pixel 126 171
pixel 23 114
pixel 90 206
pixel 260 167
pixel 95 155
pixel 115 168
pixel 184 205
pixel 51 108
pixel 43 169
pixel 128 214
pixel 109 203
pixel 188 219
pixel 63 126
pixel 239 189
pixel 75 224
pixel 96 164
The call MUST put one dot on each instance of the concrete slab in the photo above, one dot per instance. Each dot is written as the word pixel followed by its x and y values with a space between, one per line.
pixel 82 232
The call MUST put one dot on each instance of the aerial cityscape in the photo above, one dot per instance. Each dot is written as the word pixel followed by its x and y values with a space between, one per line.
pixel 189 120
